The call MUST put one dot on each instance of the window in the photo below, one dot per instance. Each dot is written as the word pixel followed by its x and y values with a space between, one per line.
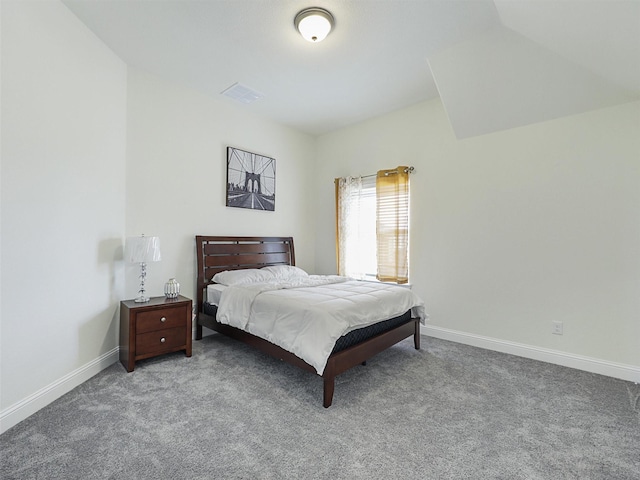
pixel 372 224
pixel 357 227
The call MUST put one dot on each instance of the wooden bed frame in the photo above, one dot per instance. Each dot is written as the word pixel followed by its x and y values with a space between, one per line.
pixel 216 254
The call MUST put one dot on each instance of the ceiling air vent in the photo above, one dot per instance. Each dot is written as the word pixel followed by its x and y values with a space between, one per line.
pixel 241 93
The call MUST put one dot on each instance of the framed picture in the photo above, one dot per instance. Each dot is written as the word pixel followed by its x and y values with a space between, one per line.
pixel 251 180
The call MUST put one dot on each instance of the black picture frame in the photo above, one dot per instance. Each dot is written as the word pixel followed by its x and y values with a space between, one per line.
pixel 251 180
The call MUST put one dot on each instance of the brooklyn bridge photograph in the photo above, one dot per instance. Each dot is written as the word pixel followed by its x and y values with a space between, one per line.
pixel 251 180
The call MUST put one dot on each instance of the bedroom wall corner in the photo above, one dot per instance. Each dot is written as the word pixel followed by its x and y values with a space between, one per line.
pixel 63 205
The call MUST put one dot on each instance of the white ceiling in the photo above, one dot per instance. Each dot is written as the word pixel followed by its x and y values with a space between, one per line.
pixel 495 64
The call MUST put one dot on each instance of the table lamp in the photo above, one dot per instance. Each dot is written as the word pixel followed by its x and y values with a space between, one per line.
pixel 142 250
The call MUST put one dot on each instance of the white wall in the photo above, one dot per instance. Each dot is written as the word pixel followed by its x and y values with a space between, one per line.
pixel 63 199
pixel 513 230
pixel 176 177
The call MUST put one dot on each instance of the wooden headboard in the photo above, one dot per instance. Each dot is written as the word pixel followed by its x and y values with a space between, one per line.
pixel 216 254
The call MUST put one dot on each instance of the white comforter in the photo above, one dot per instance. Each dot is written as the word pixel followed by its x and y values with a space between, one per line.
pixel 307 315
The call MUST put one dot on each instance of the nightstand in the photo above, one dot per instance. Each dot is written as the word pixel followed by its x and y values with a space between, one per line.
pixel 156 327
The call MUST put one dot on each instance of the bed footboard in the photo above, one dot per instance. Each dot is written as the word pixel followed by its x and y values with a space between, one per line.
pixel 358 354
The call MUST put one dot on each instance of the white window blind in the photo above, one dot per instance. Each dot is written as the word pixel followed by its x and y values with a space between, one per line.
pixel 392 225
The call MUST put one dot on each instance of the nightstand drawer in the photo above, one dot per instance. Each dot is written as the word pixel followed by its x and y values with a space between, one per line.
pixel 161 319
pixel 160 340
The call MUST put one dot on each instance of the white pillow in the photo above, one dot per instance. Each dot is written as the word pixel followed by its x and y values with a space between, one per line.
pixel 285 272
pixel 239 277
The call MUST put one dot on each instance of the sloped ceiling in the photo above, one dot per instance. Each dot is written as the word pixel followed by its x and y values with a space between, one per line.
pixel 495 64
pixel 534 84
pixel 546 60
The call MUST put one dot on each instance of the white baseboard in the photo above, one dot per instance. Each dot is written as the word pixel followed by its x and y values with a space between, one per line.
pixel 594 365
pixel 19 411
pixel 23 409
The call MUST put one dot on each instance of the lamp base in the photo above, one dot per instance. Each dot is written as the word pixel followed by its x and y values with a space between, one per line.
pixel 141 299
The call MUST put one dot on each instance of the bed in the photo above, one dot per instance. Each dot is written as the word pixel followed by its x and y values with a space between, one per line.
pixel 217 254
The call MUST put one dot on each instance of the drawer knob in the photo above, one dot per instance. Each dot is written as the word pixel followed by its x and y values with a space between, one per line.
pixel 162 340
pixel 163 319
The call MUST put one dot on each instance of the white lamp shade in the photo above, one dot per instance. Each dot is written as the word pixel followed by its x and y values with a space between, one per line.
pixel 142 249
pixel 314 24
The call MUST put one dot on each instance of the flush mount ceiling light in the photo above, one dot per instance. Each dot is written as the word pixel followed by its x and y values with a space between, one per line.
pixel 314 24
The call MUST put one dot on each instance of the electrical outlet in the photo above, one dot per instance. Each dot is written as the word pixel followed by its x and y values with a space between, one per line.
pixel 556 328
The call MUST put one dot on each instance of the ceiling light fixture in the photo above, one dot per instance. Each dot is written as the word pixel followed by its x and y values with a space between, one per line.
pixel 314 23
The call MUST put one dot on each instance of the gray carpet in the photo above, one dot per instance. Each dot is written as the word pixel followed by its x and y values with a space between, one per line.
pixel 448 411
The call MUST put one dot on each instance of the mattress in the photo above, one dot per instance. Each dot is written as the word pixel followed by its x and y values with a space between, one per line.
pixel 214 291
pixel 352 338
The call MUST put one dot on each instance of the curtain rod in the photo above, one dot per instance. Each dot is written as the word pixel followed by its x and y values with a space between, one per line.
pixel 406 170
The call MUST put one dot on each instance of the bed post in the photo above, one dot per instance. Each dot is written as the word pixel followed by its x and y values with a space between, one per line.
pixel 329 386
pixel 200 241
pixel 416 336
pixel 199 304
pixel 329 382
